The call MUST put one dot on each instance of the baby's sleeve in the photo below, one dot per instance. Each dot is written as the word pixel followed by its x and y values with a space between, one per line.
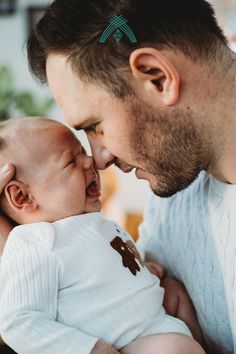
pixel 29 284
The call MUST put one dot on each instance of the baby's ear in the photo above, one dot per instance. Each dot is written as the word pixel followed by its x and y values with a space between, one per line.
pixel 19 198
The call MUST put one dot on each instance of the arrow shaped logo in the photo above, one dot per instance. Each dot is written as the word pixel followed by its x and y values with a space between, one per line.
pixel 118 24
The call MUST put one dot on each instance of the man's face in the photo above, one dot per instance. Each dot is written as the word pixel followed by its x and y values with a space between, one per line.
pixel 164 147
pixel 66 182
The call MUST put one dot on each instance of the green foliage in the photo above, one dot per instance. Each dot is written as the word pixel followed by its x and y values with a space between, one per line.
pixel 27 103
pixel 6 92
pixel 24 102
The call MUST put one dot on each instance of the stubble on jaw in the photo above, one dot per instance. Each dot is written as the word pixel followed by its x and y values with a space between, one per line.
pixel 169 147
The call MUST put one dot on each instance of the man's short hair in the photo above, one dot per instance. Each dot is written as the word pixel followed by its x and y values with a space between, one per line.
pixel 73 28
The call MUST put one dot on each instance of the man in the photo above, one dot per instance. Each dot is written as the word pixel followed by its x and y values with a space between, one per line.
pixel 164 105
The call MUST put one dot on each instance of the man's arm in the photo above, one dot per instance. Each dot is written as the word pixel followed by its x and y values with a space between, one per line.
pixel 178 304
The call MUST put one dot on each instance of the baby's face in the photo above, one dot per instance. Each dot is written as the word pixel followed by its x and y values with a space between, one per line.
pixel 66 180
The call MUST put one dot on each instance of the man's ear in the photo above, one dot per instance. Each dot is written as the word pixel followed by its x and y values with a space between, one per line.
pixel 158 73
pixel 19 198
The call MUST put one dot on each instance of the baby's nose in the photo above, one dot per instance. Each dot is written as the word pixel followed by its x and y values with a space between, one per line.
pixel 88 162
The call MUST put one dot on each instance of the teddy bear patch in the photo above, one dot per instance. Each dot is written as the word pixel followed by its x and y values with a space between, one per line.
pixel 129 254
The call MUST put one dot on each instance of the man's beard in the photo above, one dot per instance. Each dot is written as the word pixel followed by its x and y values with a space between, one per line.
pixel 167 146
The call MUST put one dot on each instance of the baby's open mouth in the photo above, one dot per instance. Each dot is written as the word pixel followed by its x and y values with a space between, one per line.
pixel 93 189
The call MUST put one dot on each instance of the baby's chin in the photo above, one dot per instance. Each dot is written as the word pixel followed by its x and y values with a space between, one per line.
pixel 93 206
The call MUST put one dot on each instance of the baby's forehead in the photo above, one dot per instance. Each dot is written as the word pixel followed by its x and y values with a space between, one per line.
pixel 48 130
pixel 39 137
pixel 59 135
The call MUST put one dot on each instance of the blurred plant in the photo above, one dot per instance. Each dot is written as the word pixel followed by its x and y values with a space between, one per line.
pixel 24 102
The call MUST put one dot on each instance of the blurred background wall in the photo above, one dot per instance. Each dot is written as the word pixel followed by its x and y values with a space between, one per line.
pixel 125 196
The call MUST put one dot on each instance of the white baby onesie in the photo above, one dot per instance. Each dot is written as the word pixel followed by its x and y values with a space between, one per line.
pixel 67 284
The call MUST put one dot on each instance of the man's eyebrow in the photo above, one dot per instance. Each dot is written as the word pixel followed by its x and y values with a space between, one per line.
pixel 86 123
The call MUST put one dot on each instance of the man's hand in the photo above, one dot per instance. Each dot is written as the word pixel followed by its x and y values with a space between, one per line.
pixel 103 348
pixel 6 173
pixel 177 303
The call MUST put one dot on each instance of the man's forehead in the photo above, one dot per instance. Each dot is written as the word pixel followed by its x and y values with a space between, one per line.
pixel 62 79
pixel 83 104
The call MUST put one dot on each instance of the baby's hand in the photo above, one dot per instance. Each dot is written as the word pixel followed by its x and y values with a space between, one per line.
pixel 103 348
pixel 156 269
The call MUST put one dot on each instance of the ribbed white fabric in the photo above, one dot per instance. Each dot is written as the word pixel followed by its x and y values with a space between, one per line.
pixel 63 286
pixel 193 234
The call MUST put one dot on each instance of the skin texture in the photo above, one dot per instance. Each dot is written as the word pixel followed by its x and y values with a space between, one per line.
pixel 178 304
pixel 164 343
pixel 103 348
pixel 126 130
pixel 59 175
pixel 169 130
pixel 156 344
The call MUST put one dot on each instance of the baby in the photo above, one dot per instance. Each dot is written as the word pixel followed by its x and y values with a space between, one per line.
pixel 72 282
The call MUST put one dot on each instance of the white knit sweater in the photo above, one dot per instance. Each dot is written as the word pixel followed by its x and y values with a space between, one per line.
pixel 193 234
pixel 63 287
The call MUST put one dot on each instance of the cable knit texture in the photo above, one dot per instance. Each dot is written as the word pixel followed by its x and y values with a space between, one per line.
pixel 193 235
pixel 63 287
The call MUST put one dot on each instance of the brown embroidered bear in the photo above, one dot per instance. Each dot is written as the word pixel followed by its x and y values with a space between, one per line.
pixel 128 257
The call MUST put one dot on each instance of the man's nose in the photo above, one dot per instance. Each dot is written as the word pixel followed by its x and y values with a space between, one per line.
pixel 102 157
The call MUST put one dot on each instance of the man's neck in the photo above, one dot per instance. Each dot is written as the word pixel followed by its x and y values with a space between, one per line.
pixel 224 166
